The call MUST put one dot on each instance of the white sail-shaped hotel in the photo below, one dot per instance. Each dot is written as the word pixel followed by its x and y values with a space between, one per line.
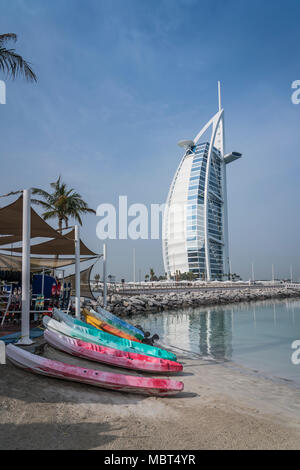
pixel 195 226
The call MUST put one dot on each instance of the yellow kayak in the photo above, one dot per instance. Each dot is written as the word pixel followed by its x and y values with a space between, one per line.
pixel 101 325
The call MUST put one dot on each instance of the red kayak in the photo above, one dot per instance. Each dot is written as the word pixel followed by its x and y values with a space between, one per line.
pixel 119 382
pixel 110 356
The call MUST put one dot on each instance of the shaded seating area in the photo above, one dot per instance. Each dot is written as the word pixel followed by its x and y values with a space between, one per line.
pixel 24 258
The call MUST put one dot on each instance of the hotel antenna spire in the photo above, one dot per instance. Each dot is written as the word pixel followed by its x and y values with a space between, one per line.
pixel 219 95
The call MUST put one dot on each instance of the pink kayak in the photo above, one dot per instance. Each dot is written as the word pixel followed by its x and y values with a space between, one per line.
pixel 119 382
pixel 109 356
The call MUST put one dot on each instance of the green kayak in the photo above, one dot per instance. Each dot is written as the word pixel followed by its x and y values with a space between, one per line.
pixel 106 339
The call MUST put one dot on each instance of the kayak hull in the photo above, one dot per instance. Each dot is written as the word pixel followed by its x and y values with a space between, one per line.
pixel 111 381
pixel 112 341
pixel 99 316
pixel 116 321
pixel 109 356
pixel 90 319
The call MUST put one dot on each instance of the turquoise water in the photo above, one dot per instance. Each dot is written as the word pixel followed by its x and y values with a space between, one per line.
pixel 256 335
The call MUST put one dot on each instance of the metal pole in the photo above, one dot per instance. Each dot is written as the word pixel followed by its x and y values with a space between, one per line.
pixel 104 276
pixel 25 322
pixel 291 270
pixel 221 131
pixel 43 281
pixel 2 353
pixel 77 272
pixel 253 272
pixel 219 96
pixel 134 265
pixel 273 276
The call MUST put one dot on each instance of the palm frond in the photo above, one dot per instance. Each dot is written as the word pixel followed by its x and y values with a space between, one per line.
pixel 12 193
pixel 8 37
pixel 42 203
pixel 42 193
pixel 78 218
pixel 13 65
pixel 90 211
pixel 49 215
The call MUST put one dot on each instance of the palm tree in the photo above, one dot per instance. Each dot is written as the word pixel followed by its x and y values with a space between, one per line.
pixel 97 279
pixel 152 274
pixel 12 63
pixel 62 203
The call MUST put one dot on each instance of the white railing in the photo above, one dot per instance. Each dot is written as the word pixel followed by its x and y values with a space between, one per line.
pixel 292 285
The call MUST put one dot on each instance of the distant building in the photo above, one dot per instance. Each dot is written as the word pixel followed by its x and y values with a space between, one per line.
pixel 195 227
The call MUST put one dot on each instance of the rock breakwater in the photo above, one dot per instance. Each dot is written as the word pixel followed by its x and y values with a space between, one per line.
pixel 130 305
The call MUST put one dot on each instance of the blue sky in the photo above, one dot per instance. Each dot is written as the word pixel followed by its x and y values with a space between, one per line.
pixel 121 81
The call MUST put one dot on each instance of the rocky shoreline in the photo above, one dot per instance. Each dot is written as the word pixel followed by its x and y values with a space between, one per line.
pixel 152 303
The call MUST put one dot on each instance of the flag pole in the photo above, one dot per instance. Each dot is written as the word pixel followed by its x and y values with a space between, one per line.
pixel 77 271
pixel 104 276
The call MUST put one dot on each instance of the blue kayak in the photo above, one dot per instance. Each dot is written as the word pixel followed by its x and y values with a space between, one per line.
pixel 117 321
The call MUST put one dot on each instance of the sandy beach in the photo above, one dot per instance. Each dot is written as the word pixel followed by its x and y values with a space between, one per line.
pixel 222 407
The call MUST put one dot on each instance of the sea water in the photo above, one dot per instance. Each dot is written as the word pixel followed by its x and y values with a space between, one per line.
pixel 257 335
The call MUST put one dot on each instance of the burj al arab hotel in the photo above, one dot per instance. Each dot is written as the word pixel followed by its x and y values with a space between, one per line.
pixel 195 225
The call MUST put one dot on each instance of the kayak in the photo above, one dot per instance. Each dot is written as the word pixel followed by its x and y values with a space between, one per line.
pixel 109 356
pixel 117 324
pixel 116 321
pixel 90 319
pixel 69 320
pixel 114 341
pixel 92 335
pixel 108 380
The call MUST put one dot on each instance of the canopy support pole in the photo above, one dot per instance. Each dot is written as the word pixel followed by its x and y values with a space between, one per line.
pixel 43 281
pixel 77 272
pixel 104 277
pixel 25 327
pixel 134 266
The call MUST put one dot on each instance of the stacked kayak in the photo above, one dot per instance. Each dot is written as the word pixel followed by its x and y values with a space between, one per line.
pixel 109 356
pixel 87 341
pixel 83 331
pixel 60 370
pixel 92 320
pixel 113 320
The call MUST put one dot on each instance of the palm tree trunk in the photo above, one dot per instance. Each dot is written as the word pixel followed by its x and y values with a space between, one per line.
pixel 60 221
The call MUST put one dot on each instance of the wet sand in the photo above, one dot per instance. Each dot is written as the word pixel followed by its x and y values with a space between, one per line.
pixel 222 407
